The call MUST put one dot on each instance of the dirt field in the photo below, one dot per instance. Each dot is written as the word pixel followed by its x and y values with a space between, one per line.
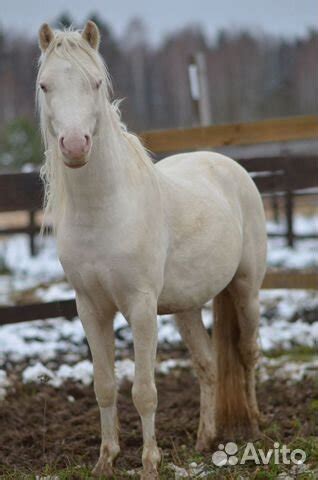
pixel 47 430
pixel 55 432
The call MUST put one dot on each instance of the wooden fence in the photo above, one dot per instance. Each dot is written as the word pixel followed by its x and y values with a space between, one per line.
pixel 21 192
pixel 275 174
pixel 24 191
pixel 285 279
pixel 263 131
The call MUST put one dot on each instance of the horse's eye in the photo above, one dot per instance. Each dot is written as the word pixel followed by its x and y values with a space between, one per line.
pixel 43 87
pixel 98 83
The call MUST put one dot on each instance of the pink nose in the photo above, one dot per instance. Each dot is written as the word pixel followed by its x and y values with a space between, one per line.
pixel 75 146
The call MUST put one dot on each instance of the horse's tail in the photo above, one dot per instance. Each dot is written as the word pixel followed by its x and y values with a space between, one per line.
pixel 232 410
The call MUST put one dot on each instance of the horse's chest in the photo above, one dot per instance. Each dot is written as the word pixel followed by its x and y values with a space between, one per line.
pixel 100 263
pixel 84 261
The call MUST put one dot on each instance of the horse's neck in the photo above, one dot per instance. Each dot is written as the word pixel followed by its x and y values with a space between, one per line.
pixel 112 176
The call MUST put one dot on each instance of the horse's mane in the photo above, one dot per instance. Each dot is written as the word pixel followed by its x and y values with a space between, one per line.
pixel 63 45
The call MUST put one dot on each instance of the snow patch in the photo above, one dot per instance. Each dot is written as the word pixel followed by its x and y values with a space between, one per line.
pixel 81 372
pixel 38 373
pixel 59 291
pixel 179 472
pixel 4 384
pixel 284 334
pixel 284 368
pixel 124 370
pixel 42 339
pixel 166 366
pixel 28 271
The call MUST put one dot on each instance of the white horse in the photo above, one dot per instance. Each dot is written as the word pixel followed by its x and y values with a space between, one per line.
pixel 139 239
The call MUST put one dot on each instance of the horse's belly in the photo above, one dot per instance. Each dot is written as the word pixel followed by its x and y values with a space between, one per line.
pixel 189 284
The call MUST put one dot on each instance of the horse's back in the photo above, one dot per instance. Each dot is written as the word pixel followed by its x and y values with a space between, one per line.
pixel 213 179
pixel 209 168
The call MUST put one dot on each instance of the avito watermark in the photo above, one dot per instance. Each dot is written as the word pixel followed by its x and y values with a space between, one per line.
pixel 280 454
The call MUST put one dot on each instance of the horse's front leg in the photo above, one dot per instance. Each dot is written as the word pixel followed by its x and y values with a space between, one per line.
pixel 100 335
pixel 143 321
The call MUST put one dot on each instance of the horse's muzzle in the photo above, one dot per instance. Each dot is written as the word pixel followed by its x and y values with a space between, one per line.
pixel 75 148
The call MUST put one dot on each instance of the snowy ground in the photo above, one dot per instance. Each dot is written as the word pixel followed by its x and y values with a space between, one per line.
pixel 55 349
pixel 303 255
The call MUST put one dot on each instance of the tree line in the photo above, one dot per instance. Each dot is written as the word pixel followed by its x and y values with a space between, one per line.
pixel 250 75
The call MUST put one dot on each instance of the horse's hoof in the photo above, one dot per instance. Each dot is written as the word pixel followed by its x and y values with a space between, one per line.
pixel 149 474
pixel 204 444
pixel 103 469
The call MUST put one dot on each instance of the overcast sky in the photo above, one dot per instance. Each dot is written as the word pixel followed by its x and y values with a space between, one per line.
pixel 280 17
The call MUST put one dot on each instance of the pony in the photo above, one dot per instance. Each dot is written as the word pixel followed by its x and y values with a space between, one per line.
pixel 141 239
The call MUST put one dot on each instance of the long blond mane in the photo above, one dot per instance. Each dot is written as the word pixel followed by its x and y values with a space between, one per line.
pixel 63 45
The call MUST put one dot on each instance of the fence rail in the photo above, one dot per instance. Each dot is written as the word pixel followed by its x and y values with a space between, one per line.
pixel 272 175
pixel 67 308
pixel 263 131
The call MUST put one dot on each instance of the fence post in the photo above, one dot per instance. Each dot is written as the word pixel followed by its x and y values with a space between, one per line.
pixel 32 232
pixel 289 199
pixel 199 88
pixel 275 207
pixel 289 205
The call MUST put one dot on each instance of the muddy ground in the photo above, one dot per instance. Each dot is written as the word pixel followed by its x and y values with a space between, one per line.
pixel 40 425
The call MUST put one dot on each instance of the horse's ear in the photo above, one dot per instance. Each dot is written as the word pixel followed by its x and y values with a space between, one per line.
pixel 46 36
pixel 91 34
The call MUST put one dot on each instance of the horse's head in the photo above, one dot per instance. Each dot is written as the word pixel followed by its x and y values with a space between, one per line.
pixel 69 80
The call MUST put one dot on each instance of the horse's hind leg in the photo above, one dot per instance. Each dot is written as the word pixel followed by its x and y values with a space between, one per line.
pixel 235 331
pixel 246 301
pixel 198 342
